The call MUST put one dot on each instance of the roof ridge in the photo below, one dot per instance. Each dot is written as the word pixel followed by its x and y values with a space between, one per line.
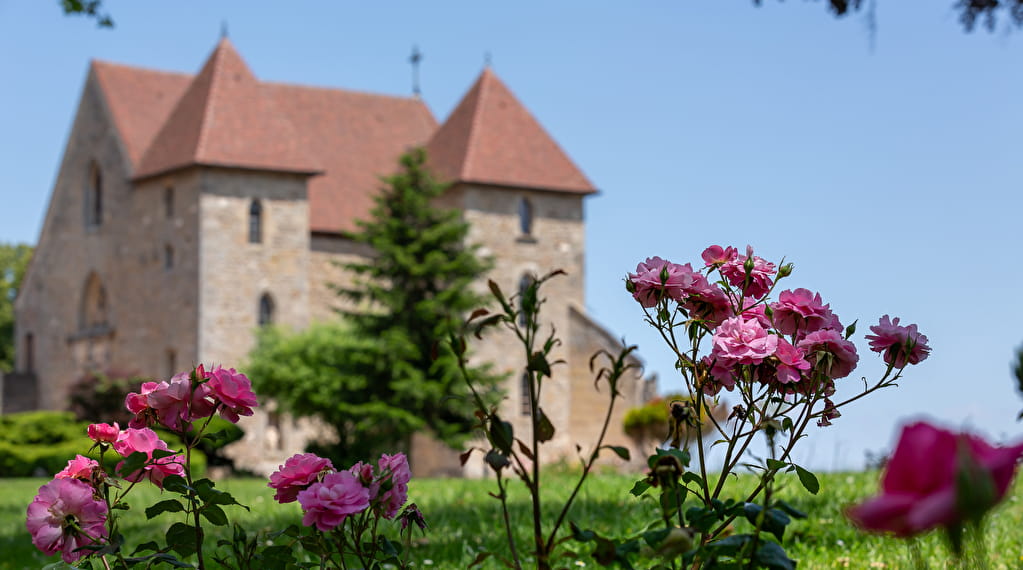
pixel 359 92
pixel 475 122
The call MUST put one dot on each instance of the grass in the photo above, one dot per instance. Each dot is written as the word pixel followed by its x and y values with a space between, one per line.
pixel 465 521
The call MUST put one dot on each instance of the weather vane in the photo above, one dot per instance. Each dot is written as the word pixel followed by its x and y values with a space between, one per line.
pixel 223 29
pixel 414 59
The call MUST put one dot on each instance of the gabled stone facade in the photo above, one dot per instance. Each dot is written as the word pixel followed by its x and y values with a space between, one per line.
pixel 190 209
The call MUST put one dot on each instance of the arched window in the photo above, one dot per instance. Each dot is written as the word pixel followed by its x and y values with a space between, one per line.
pixel 526 216
pixel 168 256
pixel 524 284
pixel 266 310
pixel 168 202
pixel 93 308
pixel 255 222
pixel 525 402
pixel 94 197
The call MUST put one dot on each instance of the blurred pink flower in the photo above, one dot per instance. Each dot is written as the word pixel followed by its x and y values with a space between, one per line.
pixel 931 476
pixel 802 310
pixel 104 433
pixel 146 441
pixel 65 516
pixel 707 301
pixel 328 503
pixel 742 341
pixel 394 478
pixel 843 352
pixel 80 467
pixel 297 473
pixel 760 276
pixel 233 391
pixel 900 345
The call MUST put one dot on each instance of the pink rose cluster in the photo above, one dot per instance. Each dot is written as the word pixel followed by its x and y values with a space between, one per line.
pixel 328 496
pixel 937 478
pixel 795 344
pixel 190 396
pixel 69 512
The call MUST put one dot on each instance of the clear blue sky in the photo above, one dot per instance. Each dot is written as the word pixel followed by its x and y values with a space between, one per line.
pixel 886 167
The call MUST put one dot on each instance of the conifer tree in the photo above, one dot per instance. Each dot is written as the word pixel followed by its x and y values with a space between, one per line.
pixel 386 372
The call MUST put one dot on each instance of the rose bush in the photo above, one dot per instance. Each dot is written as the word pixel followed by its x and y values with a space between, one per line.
pixel 76 513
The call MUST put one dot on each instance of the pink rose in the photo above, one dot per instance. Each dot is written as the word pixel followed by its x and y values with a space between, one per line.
pixel 900 345
pixel 146 441
pixel 760 275
pixel 716 255
pixel 176 404
pixel 327 504
pixel 297 473
pixel 803 311
pixel 80 467
pixel 394 475
pixel 364 473
pixel 104 433
pixel 931 476
pixel 138 403
pixel 843 353
pixel 743 341
pixel 64 517
pixel 657 279
pixel 233 391
pixel 707 301
pixel 790 363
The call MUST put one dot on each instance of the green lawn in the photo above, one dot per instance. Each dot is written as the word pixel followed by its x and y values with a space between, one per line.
pixel 464 521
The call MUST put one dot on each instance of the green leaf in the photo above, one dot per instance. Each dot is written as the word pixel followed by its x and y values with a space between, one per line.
pixel 277 556
pixel 692 477
pixel 133 463
pixel 774 520
pixel 792 511
pixel 214 514
pixel 151 545
pixel 640 487
pixel 502 435
pixel 176 484
pixel 165 506
pixel 181 539
pixel 772 556
pixel 775 464
pixel 538 363
pixel 620 451
pixel 808 479
pixel 482 556
pixel 544 427
pixel 496 459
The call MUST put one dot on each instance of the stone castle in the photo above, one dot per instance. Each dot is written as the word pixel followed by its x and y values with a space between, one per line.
pixel 191 209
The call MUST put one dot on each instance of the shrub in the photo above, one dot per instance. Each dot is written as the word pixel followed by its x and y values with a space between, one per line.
pixel 101 395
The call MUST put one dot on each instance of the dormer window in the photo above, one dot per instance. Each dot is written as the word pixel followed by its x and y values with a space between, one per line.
pixel 526 216
pixel 255 222
pixel 94 197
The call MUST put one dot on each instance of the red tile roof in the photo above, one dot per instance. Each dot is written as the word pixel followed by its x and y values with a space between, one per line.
pixel 490 138
pixel 224 116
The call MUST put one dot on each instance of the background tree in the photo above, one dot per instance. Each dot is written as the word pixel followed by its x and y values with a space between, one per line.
pixel 970 11
pixel 382 375
pixel 13 261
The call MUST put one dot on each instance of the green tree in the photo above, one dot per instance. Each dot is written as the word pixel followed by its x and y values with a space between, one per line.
pixel 383 375
pixel 13 261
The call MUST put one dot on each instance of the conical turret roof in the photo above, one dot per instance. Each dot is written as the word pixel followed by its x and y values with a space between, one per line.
pixel 490 138
pixel 226 118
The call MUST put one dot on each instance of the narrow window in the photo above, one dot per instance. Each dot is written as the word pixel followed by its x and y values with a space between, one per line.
pixel 266 310
pixel 168 256
pixel 524 284
pixel 172 362
pixel 93 307
pixel 255 222
pixel 30 357
pixel 168 202
pixel 526 216
pixel 525 402
pixel 94 197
